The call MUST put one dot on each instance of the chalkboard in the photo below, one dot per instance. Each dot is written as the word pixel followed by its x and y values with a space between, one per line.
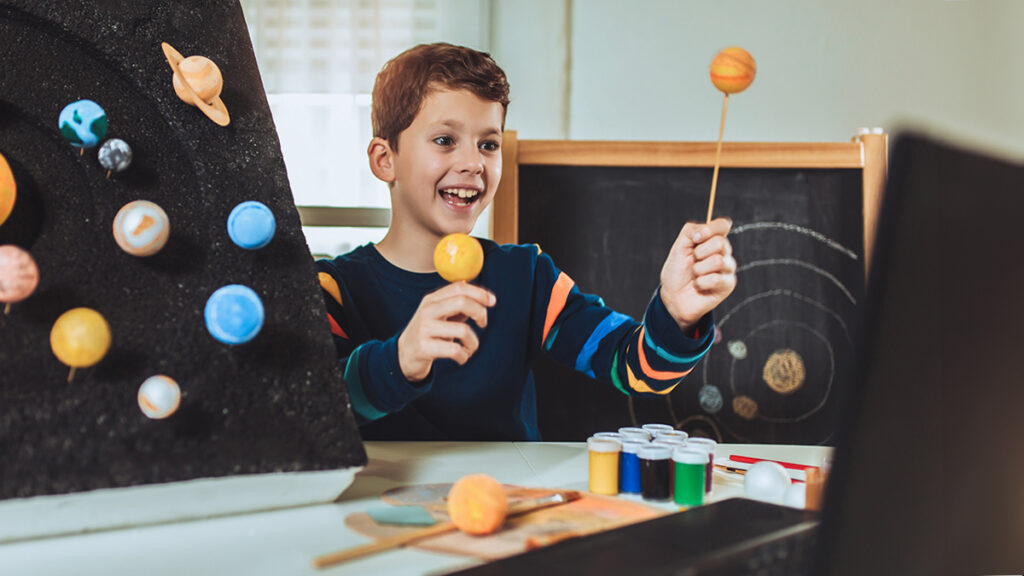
pixel 784 334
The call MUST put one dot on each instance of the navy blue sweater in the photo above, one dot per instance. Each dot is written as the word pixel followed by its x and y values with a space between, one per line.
pixel 539 309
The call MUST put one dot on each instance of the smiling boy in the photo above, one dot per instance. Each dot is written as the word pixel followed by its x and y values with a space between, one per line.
pixel 428 360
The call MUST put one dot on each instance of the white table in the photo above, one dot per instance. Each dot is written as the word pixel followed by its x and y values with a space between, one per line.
pixel 284 542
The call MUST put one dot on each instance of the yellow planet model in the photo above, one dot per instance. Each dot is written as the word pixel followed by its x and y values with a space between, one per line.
pixel 458 257
pixel 80 337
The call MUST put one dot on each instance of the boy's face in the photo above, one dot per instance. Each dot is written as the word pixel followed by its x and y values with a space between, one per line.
pixel 448 163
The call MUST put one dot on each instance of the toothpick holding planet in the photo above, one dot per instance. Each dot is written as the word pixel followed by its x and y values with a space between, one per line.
pixel 732 72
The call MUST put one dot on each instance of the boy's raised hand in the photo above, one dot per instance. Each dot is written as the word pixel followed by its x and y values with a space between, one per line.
pixel 439 329
pixel 699 271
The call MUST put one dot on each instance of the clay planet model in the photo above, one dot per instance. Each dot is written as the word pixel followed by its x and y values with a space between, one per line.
pixel 8 190
pixel 234 314
pixel 141 228
pixel 83 123
pixel 198 81
pixel 115 155
pixel 159 397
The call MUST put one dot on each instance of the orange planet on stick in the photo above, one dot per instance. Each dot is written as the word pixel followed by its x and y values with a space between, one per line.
pixel 8 190
pixel 458 257
pixel 477 504
pixel 733 70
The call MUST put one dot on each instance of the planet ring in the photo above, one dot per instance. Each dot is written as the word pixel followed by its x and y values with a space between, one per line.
pixel 214 110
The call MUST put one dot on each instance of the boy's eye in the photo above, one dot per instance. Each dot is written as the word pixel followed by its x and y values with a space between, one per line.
pixel 490 146
pixel 444 141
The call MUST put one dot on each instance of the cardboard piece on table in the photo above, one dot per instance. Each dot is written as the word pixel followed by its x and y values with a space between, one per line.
pixel 590 514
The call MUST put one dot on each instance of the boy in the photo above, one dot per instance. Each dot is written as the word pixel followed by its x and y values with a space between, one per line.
pixel 428 360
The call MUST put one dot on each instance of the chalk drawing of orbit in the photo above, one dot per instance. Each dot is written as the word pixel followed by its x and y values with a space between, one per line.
pixel 778 370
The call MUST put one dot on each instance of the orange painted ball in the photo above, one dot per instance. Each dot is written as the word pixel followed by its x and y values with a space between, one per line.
pixel 477 504
pixel 733 70
pixel 458 257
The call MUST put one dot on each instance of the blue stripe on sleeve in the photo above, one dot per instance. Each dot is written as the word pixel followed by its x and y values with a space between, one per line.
pixel 610 323
pixel 360 403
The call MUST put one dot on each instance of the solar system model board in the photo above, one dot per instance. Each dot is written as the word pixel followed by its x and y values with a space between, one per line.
pixel 164 351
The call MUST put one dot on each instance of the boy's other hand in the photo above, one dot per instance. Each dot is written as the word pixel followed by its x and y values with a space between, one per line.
pixel 699 271
pixel 439 329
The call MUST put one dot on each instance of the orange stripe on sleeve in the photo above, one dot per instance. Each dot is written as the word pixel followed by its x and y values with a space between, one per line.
pixel 335 328
pixel 651 372
pixel 641 386
pixel 559 295
pixel 330 285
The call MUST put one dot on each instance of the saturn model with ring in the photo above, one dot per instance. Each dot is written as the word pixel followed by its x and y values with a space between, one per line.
pixel 198 81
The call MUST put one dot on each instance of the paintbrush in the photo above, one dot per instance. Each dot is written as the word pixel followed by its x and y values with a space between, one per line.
pixel 517 509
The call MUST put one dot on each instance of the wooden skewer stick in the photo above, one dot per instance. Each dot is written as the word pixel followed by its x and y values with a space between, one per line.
pixel 445 527
pixel 71 374
pixel 7 308
pixel 718 154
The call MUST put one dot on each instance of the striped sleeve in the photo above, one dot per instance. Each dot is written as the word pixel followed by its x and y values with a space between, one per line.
pixel 645 359
pixel 373 377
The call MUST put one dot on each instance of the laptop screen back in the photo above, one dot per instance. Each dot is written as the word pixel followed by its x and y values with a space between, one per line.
pixel 929 474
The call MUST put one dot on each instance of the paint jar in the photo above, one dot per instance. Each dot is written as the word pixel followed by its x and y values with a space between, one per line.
pixel 655 470
pixel 688 478
pixel 653 429
pixel 604 465
pixel 707 445
pixel 671 434
pixel 615 435
pixel 629 467
pixel 634 432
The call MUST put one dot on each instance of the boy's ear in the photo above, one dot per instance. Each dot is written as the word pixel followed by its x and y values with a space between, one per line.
pixel 382 159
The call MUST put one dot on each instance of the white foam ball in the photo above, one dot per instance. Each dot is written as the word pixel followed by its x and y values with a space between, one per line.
pixel 766 481
pixel 796 495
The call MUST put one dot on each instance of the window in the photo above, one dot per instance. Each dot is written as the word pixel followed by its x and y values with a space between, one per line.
pixel 318 60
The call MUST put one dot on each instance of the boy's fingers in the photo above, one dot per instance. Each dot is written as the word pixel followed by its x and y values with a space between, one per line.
pixel 456 331
pixel 450 308
pixel 717 244
pixel 481 295
pixel 694 233
pixel 716 263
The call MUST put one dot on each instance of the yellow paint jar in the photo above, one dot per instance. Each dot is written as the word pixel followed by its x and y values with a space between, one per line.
pixel 604 465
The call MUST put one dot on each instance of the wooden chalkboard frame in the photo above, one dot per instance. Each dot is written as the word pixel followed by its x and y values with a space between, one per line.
pixel 866 151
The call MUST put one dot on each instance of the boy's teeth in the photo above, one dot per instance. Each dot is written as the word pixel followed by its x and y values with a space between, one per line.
pixel 462 192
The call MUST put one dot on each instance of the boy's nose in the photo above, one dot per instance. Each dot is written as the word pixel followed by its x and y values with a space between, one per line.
pixel 471 161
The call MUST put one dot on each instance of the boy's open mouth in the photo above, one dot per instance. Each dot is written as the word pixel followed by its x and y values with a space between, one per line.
pixel 460 197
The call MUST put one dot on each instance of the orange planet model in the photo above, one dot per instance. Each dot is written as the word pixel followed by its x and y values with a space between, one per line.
pixel 8 190
pixel 198 81
pixel 458 257
pixel 733 70
pixel 477 504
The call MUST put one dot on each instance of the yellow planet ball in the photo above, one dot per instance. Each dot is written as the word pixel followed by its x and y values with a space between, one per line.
pixel 8 190
pixel 733 70
pixel 458 257
pixel 80 337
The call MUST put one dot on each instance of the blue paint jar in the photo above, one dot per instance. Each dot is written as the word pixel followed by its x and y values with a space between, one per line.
pixel 629 467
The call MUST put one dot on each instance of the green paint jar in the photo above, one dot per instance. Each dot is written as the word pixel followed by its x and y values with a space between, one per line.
pixel 689 467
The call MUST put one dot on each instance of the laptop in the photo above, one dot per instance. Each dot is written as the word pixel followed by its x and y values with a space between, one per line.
pixel 929 466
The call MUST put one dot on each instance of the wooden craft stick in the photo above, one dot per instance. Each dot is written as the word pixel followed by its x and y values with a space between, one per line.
pixel 718 154
pixel 519 509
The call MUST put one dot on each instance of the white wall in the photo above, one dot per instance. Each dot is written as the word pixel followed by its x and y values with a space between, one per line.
pixel 638 70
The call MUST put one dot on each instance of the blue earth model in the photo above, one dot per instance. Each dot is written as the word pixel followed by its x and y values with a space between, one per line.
pixel 83 123
pixel 251 225
pixel 234 314
pixel 115 155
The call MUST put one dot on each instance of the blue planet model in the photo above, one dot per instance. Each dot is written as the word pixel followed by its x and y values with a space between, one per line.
pixel 234 314
pixel 83 123
pixel 251 225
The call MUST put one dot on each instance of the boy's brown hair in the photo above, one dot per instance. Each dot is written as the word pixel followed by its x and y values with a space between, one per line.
pixel 407 79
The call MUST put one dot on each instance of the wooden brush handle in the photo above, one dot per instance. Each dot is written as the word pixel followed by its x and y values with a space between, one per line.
pixel 381 545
